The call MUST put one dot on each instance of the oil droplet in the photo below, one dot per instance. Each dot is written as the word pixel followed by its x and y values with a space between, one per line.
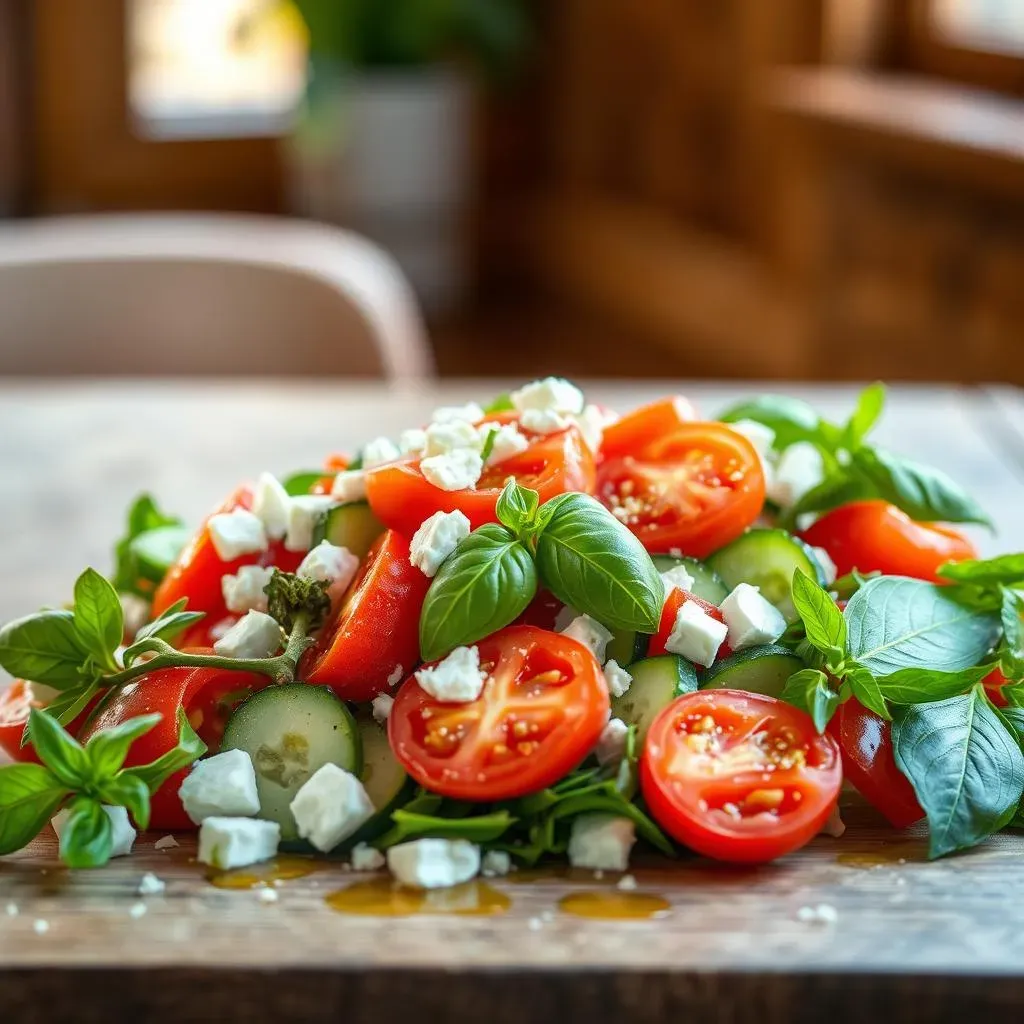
pixel 614 905
pixel 281 869
pixel 886 856
pixel 381 897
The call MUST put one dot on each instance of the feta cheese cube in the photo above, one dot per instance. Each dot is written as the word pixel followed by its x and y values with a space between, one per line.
pixel 611 744
pixel 454 471
pixel 220 786
pixel 591 423
pixel 590 633
pixel 470 412
pixel 304 513
pixel 553 394
pixel 825 561
pixel 122 833
pixel 543 421
pixel 366 858
pixel 760 436
pixel 434 863
pixel 696 635
pixel 382 705
pixel 437 537
pixel 601 842
pixel 395 677
pixel 750 618
pixel 495 864
pixel 677 578
pixel 243 591
pixel 453 436
pixel 456 679
pixel 236 533
pixel 226 843
pixel 617 678
pixel 412 441
pixel 379 451
pixel 508 441
pixel 349 485
pixel 270 503
pixel 800 468
pixel 330 806
pixel 330 564
pixel 150 885
pixel 255 635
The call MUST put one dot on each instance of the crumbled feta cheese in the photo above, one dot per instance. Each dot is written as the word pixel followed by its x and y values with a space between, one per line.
pixel 750 618
pixel 677 578
pixel 591 423
pixel 166 843
pixel 349 485
pixel 437 537
pixel 824 559
pixel 330 806
pixel 270 503
pixel 470 412
pixel 552 393
pixel 434 863
pixel 543 421
pixel 236 533
pixel 508 441
pixel 243 591
pixel 379 451
pixel 495 864
pixel 40 926
pixel 834 826
pixel 823 913
pixel 396 675
pixel 226 843
pixel 601 842
pixel 220 786
pixel 366 858
pixel 617 678
pixel 267 895
pixel 590 633
pixel 457 678
pixel 454 471
pixel 695 634
pixel 611 744
pixel 799 469
pixel 382 705
pixel 137 910
pixel 151 885
pixel 254 635
pixel 304 513
pixel 457 435
pixel 412 441
pixel 330 564
pixel 122 833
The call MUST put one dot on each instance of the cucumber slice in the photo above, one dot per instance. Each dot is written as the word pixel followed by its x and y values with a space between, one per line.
pixel 626 646
pixel 656 682
pixel 351 526
pixel 385 780
pixel 756 670
pixel 290 732
pixel 707 584
pixel 768 559
pixel 156 550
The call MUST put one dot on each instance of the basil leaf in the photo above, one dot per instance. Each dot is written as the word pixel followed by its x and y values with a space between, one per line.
pixel 98 617
pixel 869 407
pixel 29 796
pixel 143 515
pixel 1006 569
pixel 966 769
pixel 107 749
pixel 44 648
pixel 500 403
pixel 485 452
pixel 70 704
pixel 791 419
pixel 88 836
pixel 155 551
pixel 894 622
pixel 589 560
pixel 303 481
pixel 168 624
pixel 865 688
pixel 823 621
pixel 809 690
pixel 126 789
pixel 611 801
pixel 480 828
pixel 58 750
pixel 188 750
pixel 920 685
pixel 838 488
pixel 485 584
pixel 517 506
pixel 1012 653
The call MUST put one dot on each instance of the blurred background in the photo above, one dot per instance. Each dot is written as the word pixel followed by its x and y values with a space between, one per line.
pixel 803 189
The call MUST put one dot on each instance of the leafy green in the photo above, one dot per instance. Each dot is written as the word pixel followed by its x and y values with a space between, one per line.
pixel 169 623
pixel 188 750
pixel 87 837
pixel 810 691
pixel 865 415
pixel 920 685
pixel 44 647
pixel 1012 650
pixel 98 617
pixel 478 828
pixel 823 621
pixel 865 687
pixel 60 751
pixel 500 403
pixel 108 748
pixel 143 515
pixel 304 480
pixel 517 508
pixel 29 796
pixel 791 419
pixel 1005 569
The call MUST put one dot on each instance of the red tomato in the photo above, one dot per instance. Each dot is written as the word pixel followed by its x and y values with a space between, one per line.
pixel 874 535
pixel 636 430
pixel 865 740
pixel 540 712
pixel 695 489
pixel 376 630
pixel 206 631
pixel 208 695
pixel 15 703
pixel 738 776
pixel 673 603
pixel 994 683
pixel 401 497
pixel 542 611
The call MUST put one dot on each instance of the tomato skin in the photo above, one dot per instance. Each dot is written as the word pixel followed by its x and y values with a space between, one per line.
pixel 401 497
pixel 545 703
pixel 865 740
pixel 15 703
pixel 994 683
pixel 634 431
pixel 702 802
pixel 876 536
pixel 542 611
pixel 673 603
pixel 376 627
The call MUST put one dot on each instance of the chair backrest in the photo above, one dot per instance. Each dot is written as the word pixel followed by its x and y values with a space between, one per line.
pixel 195 294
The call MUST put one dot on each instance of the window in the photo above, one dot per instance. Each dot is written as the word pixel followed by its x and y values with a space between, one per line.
pixel 993 25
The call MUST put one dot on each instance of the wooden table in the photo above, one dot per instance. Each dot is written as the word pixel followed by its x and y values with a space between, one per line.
pixel 911 940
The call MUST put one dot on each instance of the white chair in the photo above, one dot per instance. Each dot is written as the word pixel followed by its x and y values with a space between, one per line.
pixel 205 295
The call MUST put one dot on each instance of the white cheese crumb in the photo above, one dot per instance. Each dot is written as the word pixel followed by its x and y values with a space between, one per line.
pixel 166 843
pixel 366 858
pixel 382 705
pixel 349 485
pixel 454 471
pixel 237 533
pixel 270 503
pixel 457 679
pixel 617 678
pixel 750 618
pixel 437 537
pixel 453 436
pixel 677 578
pixel 800 468
pixel 552 393
pixel 255 635
pixel 434 863
pixel 601 842
pixel 828 566
pixel 611 744
pixel 226 843
pixel 304 513
pixel 223 785
pixel 267 895
pixel 40 926
pixel 471 412
pixel 412 441
pixel 834 826
pixel 696 635
pixel 508 441
pixel 396 675
pixel 138 910
pixel 495 863
pixel 151 885
pixel 823 913
pixel 590 633
pixel 330 806
pixel 331 564
pixel 244 590
pixel 591 423
pixel 379 451
pixel 123 833
pixel 627 883
pixel 543 421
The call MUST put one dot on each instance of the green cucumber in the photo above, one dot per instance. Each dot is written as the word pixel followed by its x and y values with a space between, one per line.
pixel 707 584
pixel 386 783
pixel 290 732
pixel 351 526
pixel 156 550
pixel 756 670
pixel 656 682
pixel 767 559
pixel 626 646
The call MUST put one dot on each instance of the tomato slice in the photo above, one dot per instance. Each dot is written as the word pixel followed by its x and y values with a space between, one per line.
pixel 675 600
pixel 375 633
pixel 865 740
pixel 401 497
pixel 15 704
pixel 694 489
pixel 634 431
pixel 874 535
pixel 541 710
pixel 738 776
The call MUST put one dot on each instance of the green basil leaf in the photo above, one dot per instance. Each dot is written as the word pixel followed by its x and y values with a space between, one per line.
pixel 894 622
pixel 70 704
pixel 169 624
pixel 865 687
pixel 500 403
pixel 88 836
pixel 1012 652
pixel 1006 569
pixel 108 748
pixel 790 418
pixel 589 560
pixel 98 617
pixel 29 796
pixel 967 770
pixel 1014 695
pixel 156 550
pixel 143 515
pixel 44 648
pixel 810 691
pixel 187 751
pixel 480 828
pixel 126 789
pixel 517 506
pixel 58 750
pixel 485 452
pixel 866 414
pixel 823 621
pixel 485 584
pixel 846 586
pixel 920 685
pixel 610 801
pixel 838 488
pixel 303 481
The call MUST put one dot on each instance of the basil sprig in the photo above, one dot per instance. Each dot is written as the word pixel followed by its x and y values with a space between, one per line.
pixel 145 524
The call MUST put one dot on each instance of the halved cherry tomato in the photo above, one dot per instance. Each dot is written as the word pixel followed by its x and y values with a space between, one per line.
pixel 738 776
pixel 673 603
pixel 865 741
pixel 402 497
pixel 636 430
pixel 540 712
pixel 15 704
pixel 208 696
pixel 376 631
pixel 694 489
pixel 994 683
pixel 874 535
pixel 197 573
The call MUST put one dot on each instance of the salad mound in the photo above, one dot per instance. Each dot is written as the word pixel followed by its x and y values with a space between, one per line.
pixel 533 630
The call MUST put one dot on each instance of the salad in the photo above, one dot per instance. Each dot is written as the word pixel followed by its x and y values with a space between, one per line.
pixel 528 631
